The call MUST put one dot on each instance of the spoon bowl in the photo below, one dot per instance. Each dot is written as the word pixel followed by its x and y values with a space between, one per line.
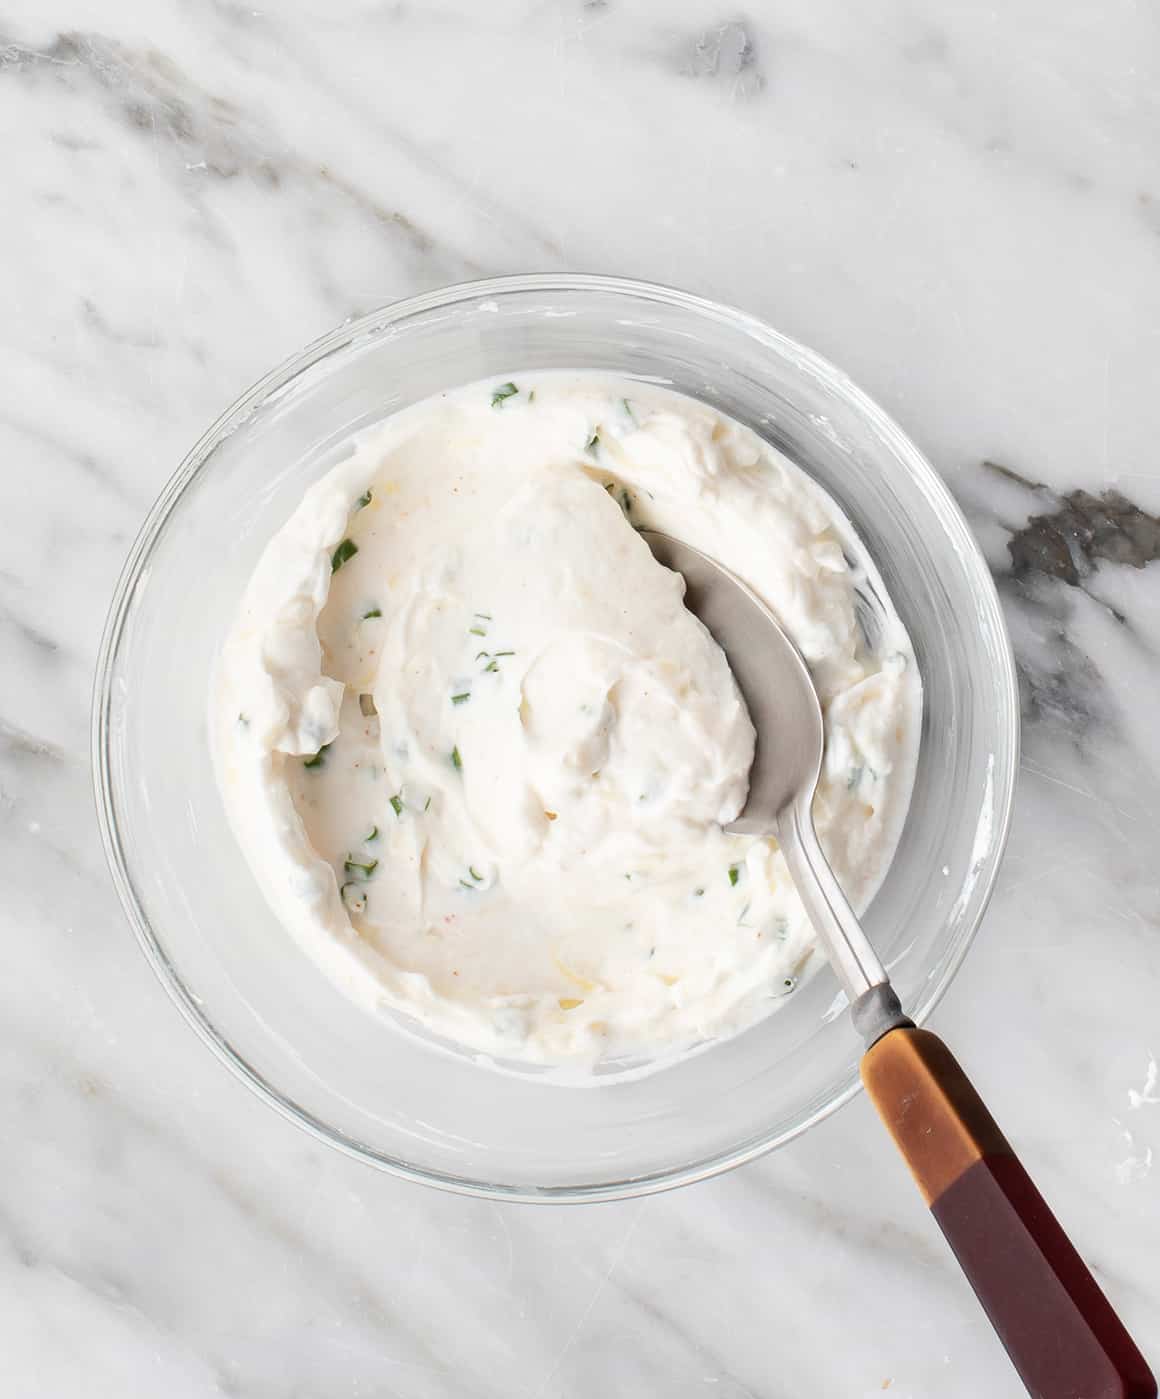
pixel 783 704
pixel 771 675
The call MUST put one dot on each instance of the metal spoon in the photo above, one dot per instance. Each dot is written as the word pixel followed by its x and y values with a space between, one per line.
pixel 1058 1328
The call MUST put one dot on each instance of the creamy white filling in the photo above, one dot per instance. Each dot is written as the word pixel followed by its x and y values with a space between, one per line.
pixel 479 754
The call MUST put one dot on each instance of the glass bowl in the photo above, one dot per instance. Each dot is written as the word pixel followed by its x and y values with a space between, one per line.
pixel 407 1105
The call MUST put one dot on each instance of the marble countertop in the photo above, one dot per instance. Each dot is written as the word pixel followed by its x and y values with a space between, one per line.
pixel 958 204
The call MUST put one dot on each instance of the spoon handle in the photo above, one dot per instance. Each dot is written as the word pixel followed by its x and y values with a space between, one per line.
pixel 1058 1327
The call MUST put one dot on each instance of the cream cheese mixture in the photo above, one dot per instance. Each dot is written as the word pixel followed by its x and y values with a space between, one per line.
pixel 478 753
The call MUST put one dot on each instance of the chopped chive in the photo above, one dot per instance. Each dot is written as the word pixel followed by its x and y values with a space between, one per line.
pixel 485 615
pixel 592 443
pixel 628 409
pixel 397 803
pixel 456 760
pixel 461 699
pixel 698 893
pixel 789 982
pixel 475 874
pixel 353 896
pixel 318 758
pixel 477 631
pixel 507 390
pixel 365 868
pixel 343 554
pixel 364 500
pixel 734 874
pixel 498 654
pixel 372 834
pixel 532 396
pixel 374 612
pixel 491 665
pixel 479 655
pixel 427 804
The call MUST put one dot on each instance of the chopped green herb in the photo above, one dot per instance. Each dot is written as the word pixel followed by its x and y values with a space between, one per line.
pixel 397 803
pixel 461 699
pixel 343 554
pixel 628 409
pixel 698 893
pixel 372 834
pixel 427 804
pixel 485 615
pixel 734 874
pixel 532 396
pixel 456 760
pixel 354 896
pixel 789 982
pixel 610 487
pixel 592 443
pixel 477 631
pixel 475 874
pixel 498 654
pixel 508 390
pixel 479 655
pixel 364 868
pixel 625 501
pixel 374 612
pixel 467 886
pixel 364 500
pixel 491 665
pixel 318 759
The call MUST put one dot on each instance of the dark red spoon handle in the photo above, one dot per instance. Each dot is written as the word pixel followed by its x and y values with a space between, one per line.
pixel 1058 1327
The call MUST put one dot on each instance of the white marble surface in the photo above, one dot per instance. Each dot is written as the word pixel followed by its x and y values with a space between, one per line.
pixel 961 205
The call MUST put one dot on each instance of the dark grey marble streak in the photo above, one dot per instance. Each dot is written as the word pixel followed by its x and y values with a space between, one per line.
pixel 1064 545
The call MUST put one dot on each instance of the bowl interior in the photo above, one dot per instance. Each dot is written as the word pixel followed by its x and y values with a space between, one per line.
pixel 395 1098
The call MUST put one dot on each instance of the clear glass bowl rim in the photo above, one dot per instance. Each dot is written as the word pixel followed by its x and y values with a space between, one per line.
pixel 277 380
